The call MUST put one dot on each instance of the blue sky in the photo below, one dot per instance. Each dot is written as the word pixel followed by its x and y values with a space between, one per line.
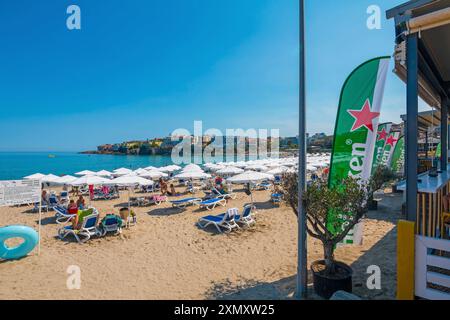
pixel 143 68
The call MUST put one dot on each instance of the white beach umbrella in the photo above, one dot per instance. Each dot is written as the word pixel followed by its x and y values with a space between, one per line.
pixel 103 173
pixel 256 167
pixel 89 180
pixel 139 171
pixel 170 168
pixel 36 176
pixel 193 175
pixel 50 178
pixel 66 179
pixel 278 171
pixel 230 171
pixel 192 167
pixel 311 168
pixel 250 177
pixel 153 174
pixel 131 180
pixel 122 172
pixel 240 164
pixel 85 173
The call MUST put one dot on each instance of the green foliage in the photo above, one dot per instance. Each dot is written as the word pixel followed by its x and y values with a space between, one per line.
pixel 349 197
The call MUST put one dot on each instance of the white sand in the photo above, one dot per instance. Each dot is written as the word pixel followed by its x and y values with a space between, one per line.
pixel 166 256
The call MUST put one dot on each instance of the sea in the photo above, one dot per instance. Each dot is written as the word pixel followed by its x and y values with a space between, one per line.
pixel 16 165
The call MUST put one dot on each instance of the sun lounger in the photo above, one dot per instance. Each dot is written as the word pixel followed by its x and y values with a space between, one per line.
pixel 111 223
pixel 224 221
pixel 264 186
pixel 277 180
pixel 53 202
pixel 62 215
pixel 211 203
pixel 246 218
pixel 183 203
pixel 276 198
pixel 87 230
pixel 224 195
pixel 44 206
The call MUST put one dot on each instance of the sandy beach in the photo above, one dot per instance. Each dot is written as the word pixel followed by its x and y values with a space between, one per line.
pixel 166 256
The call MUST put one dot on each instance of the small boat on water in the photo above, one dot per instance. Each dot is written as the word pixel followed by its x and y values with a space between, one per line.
pixel 51 156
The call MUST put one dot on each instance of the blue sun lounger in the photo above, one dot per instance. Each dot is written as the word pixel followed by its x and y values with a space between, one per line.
pixel 183 203
pixel 246 218
pixel 87 230
pixel 224 221
pixel 62 215
pixel 211 203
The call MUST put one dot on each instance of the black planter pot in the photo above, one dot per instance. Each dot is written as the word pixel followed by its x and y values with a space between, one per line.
pixel 325 286
pixel 395 190
pixel 373 205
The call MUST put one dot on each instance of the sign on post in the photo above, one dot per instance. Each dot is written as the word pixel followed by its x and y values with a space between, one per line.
pixel 17 192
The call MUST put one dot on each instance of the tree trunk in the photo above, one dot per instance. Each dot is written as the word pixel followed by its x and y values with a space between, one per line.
pixel 328 252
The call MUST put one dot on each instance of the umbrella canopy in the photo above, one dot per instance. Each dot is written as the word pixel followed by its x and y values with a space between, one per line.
pixel 131 180
pixel 311 168
pixel 171 168
pixel 50 178
pixel 85 173
pixel 36 176
pixel 278 171
pixel 103 173
pixel 140 171
pixel 122 172
pixel 66 179
pixel 250 176
pixel 192 167
pixel 230 170
pixel 89 180
pixel 193 175
pixel 256 167
pixel 153 174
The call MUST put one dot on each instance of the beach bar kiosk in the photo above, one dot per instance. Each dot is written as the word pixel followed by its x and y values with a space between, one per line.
pixel 422 61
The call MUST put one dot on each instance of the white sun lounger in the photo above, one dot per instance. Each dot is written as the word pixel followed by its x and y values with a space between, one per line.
pixel 224 221
pixel 62 216
pixel 183 203
pixel 87 230
pixel 212 203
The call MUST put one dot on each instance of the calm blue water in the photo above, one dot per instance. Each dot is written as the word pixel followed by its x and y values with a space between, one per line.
pixel 16 165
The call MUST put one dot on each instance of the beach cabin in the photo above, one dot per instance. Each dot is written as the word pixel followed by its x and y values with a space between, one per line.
pixel 422 51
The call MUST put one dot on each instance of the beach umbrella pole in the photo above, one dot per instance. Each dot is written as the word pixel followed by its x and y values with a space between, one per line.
pixel 40 223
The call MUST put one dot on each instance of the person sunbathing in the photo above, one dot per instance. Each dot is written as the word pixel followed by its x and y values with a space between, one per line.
pixel 163 186
pixel 81 204
pixel 77 222
pixel 172 191
pixel 72 207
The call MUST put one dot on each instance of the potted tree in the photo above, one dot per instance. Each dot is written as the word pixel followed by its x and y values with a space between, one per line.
pixel 380 176
pixel 350 197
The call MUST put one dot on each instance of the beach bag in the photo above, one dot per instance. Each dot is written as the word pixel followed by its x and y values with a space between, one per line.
pixel 110 217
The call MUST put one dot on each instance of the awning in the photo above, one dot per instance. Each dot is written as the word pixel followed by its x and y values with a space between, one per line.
pixel 431 20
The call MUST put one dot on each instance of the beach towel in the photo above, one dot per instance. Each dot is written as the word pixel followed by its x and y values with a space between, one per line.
pixel 84 213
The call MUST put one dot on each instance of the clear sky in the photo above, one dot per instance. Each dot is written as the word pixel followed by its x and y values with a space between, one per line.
pixel 143 68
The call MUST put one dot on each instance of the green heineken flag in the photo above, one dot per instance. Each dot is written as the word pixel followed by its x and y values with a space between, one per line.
pixel 384 130
pixel 389 148
pixel 398 157
pixel 438 151
pixel 356 132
